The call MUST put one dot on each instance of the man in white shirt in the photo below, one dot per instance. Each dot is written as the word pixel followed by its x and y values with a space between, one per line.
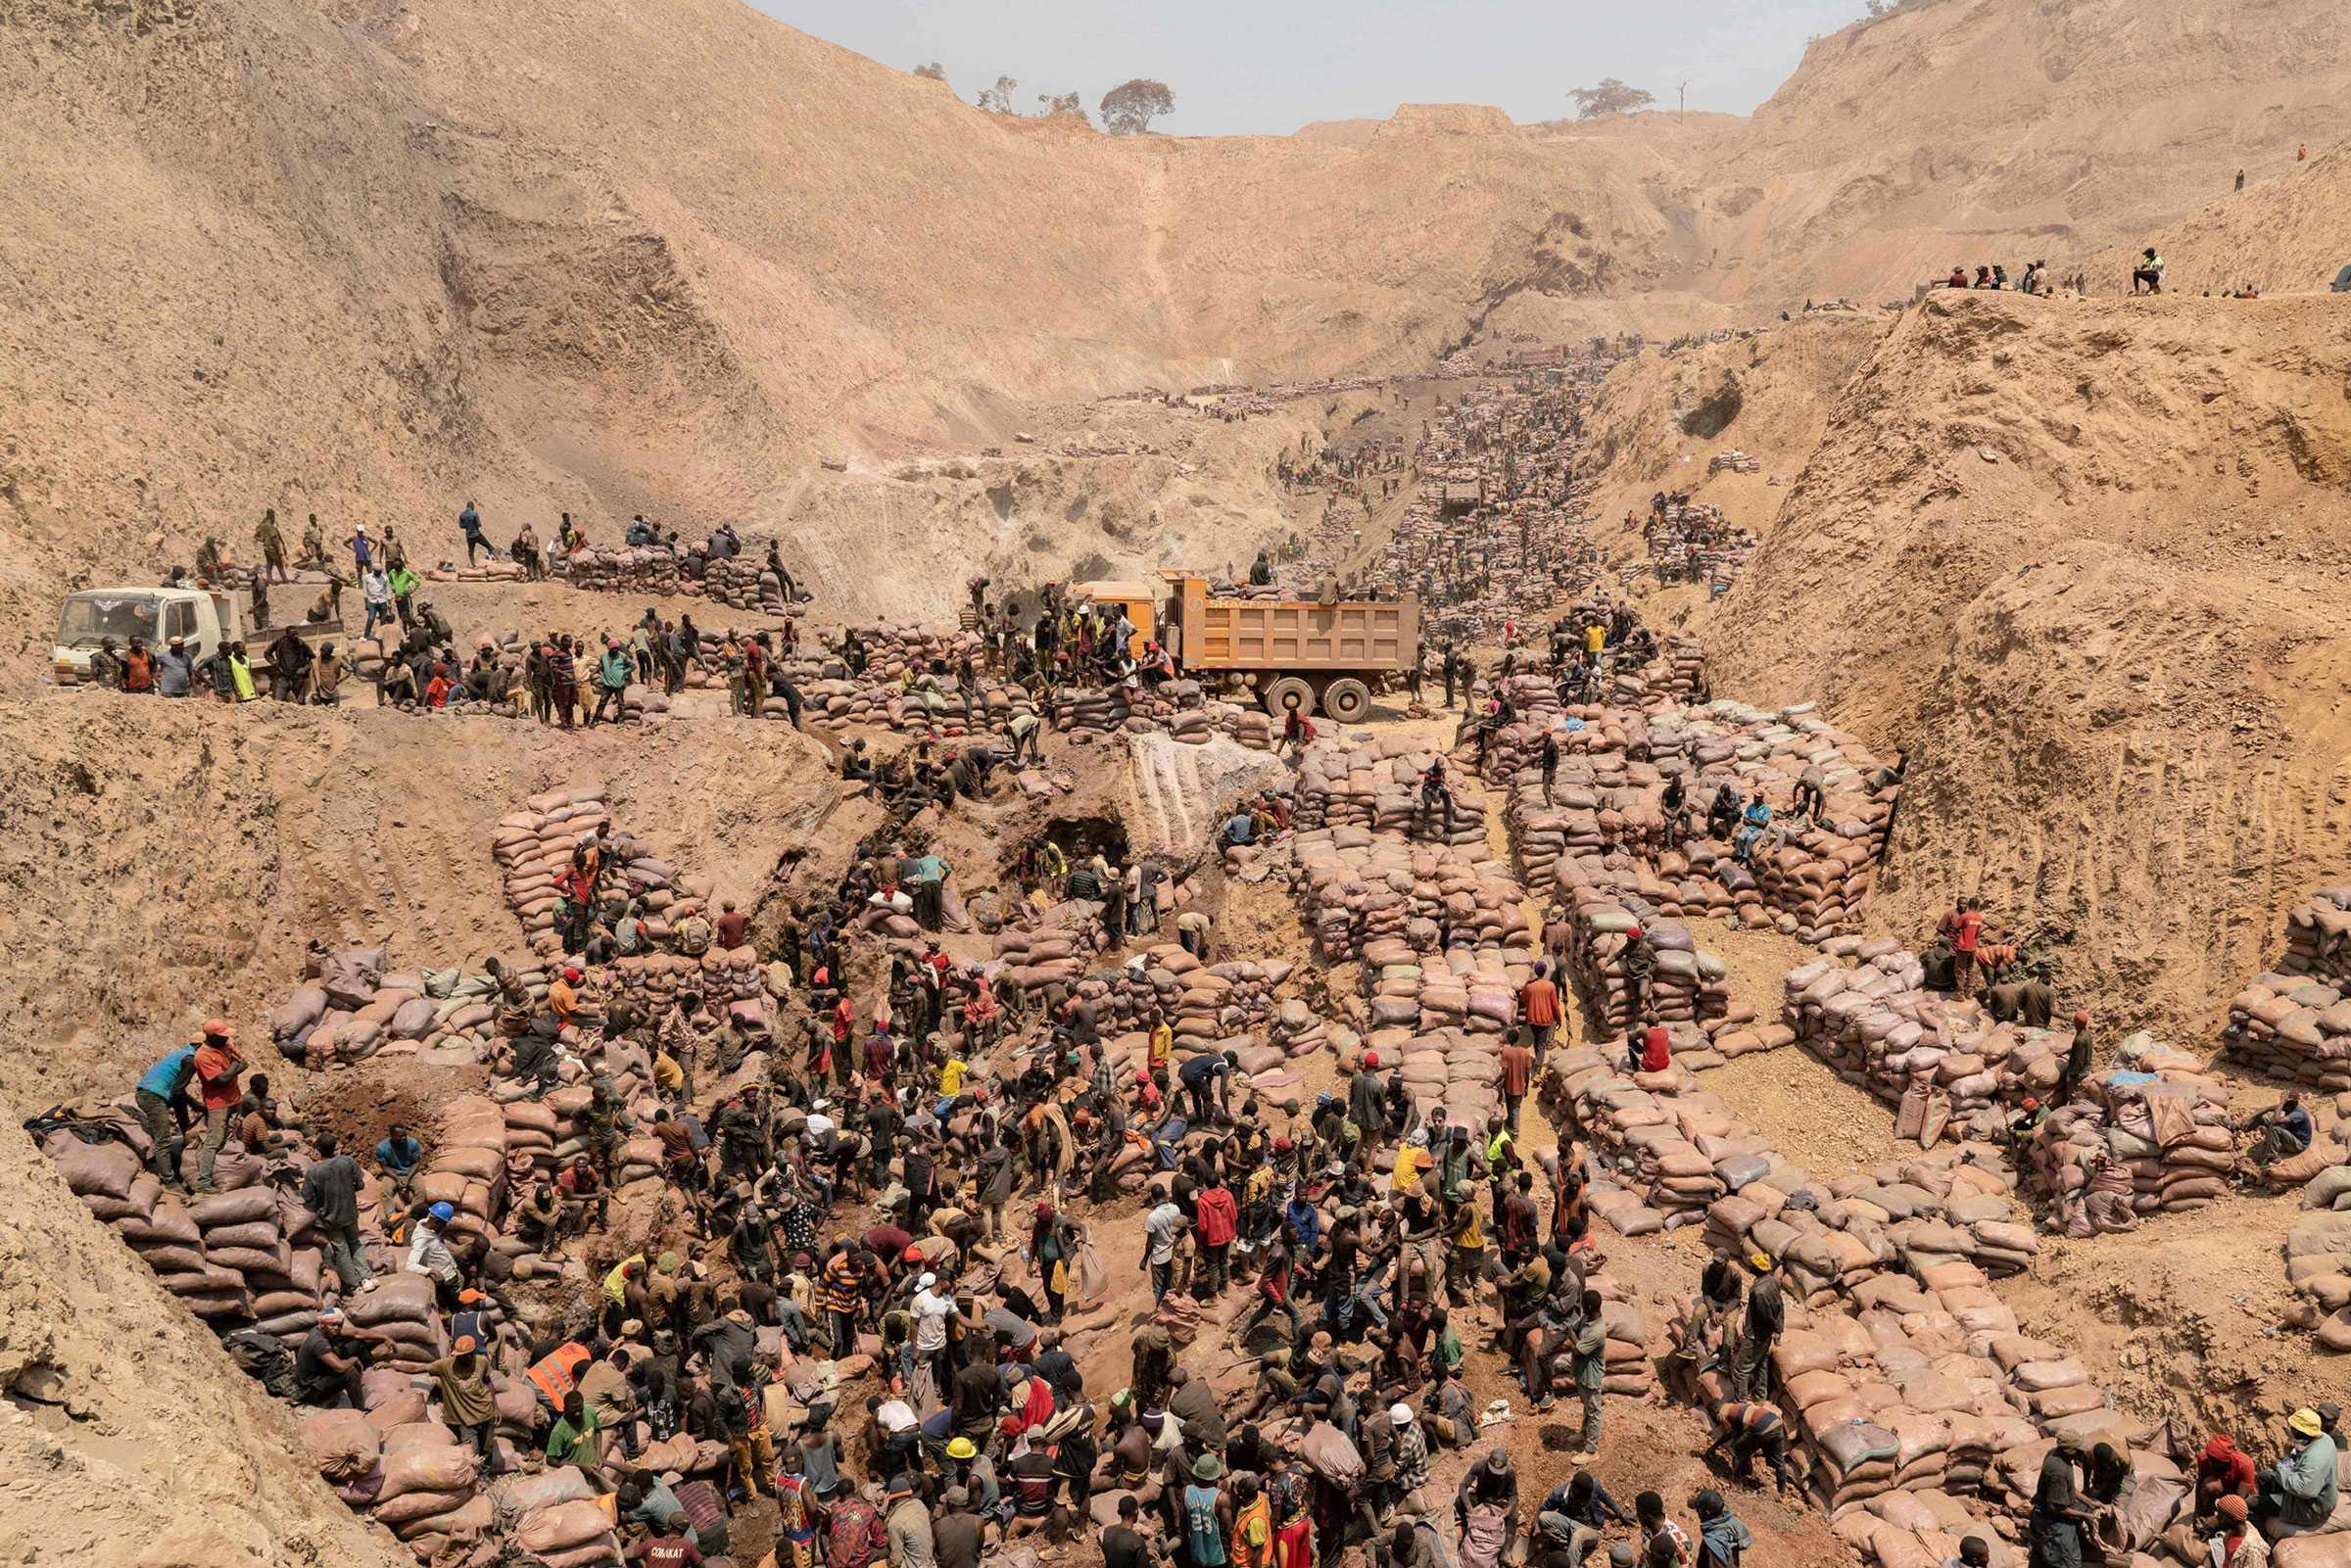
pixel 930 1313
pixel 1160 1226
pixel 429 1254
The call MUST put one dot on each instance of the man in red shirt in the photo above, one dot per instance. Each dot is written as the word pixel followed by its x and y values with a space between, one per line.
pixel 1518 1071
pixel 1539 1010
pixel 1219 1220
pixel 1964 925
pixel 217 1069
pixel 668 1551
pixel 732 926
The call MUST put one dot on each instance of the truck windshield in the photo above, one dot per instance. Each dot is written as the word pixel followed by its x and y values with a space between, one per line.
pixel 87 617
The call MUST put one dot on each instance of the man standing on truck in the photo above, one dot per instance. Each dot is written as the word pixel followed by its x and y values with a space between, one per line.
pixel 274 546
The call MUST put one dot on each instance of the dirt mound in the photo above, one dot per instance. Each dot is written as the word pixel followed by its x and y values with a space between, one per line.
pixel 2078 560
pixel 2283 233
pixel 1663 416
pixel 1955 132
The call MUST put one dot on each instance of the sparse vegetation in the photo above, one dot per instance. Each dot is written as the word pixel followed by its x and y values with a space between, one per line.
pixel 1610 97
pixel 997 100
pixel 931 71
pixel 1128 108
pixel 1062 106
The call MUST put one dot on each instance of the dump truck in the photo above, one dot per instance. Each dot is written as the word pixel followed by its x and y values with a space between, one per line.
pixel 1297 653
pixel 205 617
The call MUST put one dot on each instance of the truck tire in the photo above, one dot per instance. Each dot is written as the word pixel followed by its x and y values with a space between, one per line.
pixel 1288 692
pixel 1347 700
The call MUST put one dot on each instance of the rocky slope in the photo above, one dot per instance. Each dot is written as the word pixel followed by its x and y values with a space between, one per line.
pixel 2079 560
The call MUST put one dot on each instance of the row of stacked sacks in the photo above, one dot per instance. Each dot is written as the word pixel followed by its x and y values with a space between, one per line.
pixel 1807 880
pixel 1950 1068
pixel 2136 1140
pixel 623 569
pixel 1373 784
pixel 1201 1002
pixel 349 1006
pixel 748 583
pixel 1685 984
pixel 2295 1023
pixel 249 1255
pixel 1454 987
pixel 1360 889
pixel 2318 937
pixel 534 845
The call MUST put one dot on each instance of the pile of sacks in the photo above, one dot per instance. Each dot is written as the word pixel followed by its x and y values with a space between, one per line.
pixel 349 1008
pixel 1034 957
pixel 1471 989
pixel 621 569
pixel 2318 937
pixel 401 1467
pixel 1808 882
pixel 1684 986
pixel 1200 1001
pixel 1376 784
pixel 231 1260
pixel 534 845
pixel 2294 1025
pixel 1358 887
pixel 746 583
pixel 1456 1070
pixel 2166 1133
pixel 1866 1012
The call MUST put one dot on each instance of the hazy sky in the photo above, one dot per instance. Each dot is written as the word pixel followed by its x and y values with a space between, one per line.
pixel 1271 65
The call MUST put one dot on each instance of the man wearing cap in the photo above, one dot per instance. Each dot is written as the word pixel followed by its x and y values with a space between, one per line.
pixel 2236 1543
pixel 1206 1514
pixel 173 669
pixel 908 1529
pixel 2077 1060
pixel 429 1254
pixel 1365 1097
pixel 958 1534
pixel 1490 1483
pixel 2297 1494
pixel 217 1066
pixel 466 1402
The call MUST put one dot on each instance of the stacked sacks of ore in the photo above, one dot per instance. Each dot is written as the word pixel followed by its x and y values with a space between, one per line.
pixel 2169 1136
pixel 1377 785
pixel 2295 1024
pixel 622 569
pixel 349 1008
pixel 2318 937
pixel 1358 888
pixel 746 582
pixel 1685 985
pixel 1038 957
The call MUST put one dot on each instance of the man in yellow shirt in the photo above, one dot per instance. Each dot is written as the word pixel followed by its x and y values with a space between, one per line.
pixel 1163 1041
pixel 950 1077
pixel 1412 1161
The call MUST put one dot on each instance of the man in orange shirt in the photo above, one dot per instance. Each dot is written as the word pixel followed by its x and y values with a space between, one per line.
pixel 1539 1010
pixel 1518 1071
pixel 217 1069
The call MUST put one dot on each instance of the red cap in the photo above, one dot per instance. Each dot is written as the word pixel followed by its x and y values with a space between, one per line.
pixel 216 1029
pixel 572 974
pixel 1371 1059
pixel 2032 1104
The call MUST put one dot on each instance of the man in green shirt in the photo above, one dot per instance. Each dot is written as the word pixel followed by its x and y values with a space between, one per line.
pixel 577 1435
pixel 1590 1367
pixel 466 1402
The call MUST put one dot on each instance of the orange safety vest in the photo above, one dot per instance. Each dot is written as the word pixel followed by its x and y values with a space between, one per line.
pixel 558 1373
pixel 1246 1554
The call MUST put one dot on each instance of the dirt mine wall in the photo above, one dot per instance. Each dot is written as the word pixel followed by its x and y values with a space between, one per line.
pixel 2079 559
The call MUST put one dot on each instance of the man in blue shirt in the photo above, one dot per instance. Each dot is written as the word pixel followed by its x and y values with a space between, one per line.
pixel 397 1158
pixel 931 874
pixel 165 1108
pixel 2285 1132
